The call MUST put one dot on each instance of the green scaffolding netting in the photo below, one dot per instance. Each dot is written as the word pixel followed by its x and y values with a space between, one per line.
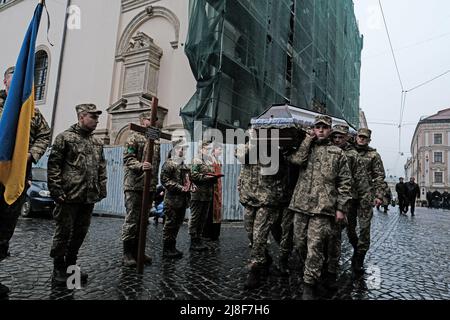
pixel 249 54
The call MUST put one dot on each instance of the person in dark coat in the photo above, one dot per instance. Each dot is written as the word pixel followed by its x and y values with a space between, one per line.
pixel 400 188
pixel 412 193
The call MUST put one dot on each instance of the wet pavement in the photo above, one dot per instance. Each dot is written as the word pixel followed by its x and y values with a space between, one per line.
pixel 408 259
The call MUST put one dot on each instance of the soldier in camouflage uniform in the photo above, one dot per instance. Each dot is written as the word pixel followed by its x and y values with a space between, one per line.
pixel 373 168
pixel 320 198
pixel 175 178
pixel 39 141
pixel 134 170
pixel 76 180
pixel 360 197
pixel 264 198
pixel 201 197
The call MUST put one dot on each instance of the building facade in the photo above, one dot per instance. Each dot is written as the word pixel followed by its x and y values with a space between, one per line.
pixel 118 54
pixel 430 149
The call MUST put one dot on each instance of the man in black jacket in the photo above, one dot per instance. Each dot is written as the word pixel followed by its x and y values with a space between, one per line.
pixel 412 192
pixel 400 188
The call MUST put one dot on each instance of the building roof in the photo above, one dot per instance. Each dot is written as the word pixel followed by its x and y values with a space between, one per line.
pixel 441 115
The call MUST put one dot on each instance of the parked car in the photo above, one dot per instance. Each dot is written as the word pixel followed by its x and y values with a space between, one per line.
pixel 38 197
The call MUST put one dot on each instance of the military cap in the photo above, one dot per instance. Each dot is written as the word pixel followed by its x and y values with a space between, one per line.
pixel 323 119
pixel 145 115
pixel 10 70
pixel 87 107
pixel 179 143
pixel 342 129
pixel 205 144
pixel 365 132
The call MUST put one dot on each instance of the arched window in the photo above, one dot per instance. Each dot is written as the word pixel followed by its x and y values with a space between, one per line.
pixel 40 75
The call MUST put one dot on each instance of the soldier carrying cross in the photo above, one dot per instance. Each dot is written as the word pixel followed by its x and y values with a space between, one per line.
pixel 141 161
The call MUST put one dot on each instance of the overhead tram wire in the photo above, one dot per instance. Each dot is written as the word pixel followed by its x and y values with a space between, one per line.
pixel 398 74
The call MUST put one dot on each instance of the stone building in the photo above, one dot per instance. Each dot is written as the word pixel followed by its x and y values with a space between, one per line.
pixel 430 149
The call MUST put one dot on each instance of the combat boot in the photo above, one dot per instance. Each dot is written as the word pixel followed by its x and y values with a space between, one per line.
pixel 4 290
pixel 198 245
pixel 254 277
pixel 147 259
pixel 330 281
pixel 169 251
pixel 59 270
pixel 128 259
pixel 283 265
pixel 358 265
pixel 308 292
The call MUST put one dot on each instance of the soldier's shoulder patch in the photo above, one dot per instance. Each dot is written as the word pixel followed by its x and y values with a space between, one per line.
pixel 130 149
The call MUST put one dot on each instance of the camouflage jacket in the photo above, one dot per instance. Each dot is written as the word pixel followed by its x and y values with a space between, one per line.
pixel 360 182
pixel 324 183
pixel 77 167
pixel 173 174
pixel 39 132
pixel 133 157
pixel 203 182
pixel 374 169
pixel 258 190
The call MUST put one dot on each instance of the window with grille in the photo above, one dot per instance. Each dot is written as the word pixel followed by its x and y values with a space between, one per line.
pixel 438 157
pixel 40 75
pixel 438 138
pixel 438 177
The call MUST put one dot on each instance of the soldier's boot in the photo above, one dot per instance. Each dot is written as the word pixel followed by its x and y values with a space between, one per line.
pixel 4 290
pixel 72 261
pixel 59 270
pixel 358 265
pixel 147 259
pixel 283 265
pixel 198 245
pixel 330 281
pixel 308 292
pixel 128 258
pixel 254 278
pixel 169 250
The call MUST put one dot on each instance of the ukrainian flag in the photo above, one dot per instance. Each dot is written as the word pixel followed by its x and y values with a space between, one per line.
pixel 17 114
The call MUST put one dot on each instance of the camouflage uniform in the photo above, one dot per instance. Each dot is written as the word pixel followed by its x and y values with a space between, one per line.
pixel 133 158
pixel 77 173
pixel 373 167
pixel 323 187
pixel 202 197
pixel 39 141
pixel 175 200
pixel 264 198
pixel 360 196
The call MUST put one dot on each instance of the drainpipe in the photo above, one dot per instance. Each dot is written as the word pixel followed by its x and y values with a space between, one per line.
pixel 58 79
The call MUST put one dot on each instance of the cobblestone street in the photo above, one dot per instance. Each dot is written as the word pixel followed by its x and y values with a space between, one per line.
pixel 408 259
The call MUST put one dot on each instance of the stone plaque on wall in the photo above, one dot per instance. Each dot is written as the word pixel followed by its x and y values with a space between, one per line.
pixel 134 79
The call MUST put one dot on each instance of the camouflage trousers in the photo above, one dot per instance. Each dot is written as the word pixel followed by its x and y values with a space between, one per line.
pixel 174 220
pixel 287 231
pixel 334 245
pixel 72 224
pixel 9 214
pixel 133 205
pixel 311 233
pixel 258 223
pixel 199 213
pixel 363 217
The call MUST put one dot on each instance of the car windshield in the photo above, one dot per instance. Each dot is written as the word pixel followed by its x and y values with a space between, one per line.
pixel 42 163
pixel 39 174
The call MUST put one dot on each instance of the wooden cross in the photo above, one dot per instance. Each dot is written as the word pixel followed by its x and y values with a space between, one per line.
pixel 152 133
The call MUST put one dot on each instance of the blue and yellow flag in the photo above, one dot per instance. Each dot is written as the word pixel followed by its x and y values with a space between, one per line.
pixel 17 114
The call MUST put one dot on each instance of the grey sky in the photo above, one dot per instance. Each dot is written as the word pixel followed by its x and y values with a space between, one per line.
pixel 420 34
